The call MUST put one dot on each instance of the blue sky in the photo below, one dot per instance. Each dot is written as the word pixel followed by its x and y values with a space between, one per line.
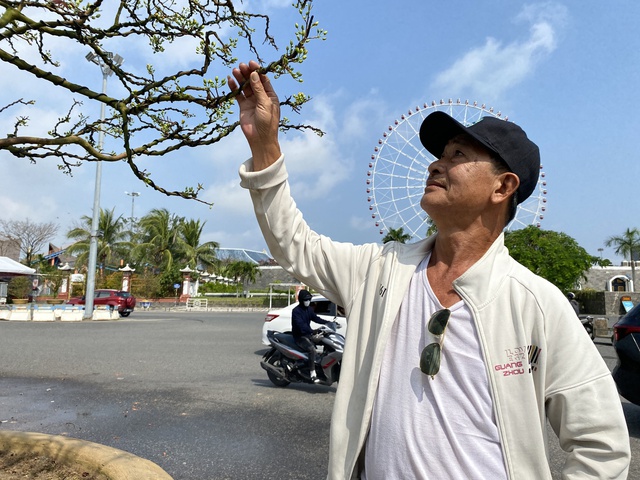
pixel 567 72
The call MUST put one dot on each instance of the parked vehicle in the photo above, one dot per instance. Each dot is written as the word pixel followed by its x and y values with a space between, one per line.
pixel 587 323
pixel 285 362
pixel 279 320
pixel 597 327
pixel 124 302
pixel 626 341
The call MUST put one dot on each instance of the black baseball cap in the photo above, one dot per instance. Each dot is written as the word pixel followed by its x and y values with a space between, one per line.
pixel 505 139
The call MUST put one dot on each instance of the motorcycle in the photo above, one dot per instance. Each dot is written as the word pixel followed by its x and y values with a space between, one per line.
pixel 587 323
pixel 286 363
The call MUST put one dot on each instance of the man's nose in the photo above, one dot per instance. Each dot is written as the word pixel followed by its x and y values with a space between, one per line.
pixel 435 166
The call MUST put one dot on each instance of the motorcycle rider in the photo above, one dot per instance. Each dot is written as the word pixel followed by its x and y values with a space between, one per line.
pixel 303 334
pixel 574 303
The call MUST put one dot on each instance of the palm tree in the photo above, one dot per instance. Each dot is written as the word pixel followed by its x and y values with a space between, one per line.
pixel 192 252
pixel 160 231
pixel 627 245
pixel 112 239
pixel 396 235
pixel 245 272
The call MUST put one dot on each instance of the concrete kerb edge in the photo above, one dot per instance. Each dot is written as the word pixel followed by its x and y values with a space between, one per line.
pixel 115 464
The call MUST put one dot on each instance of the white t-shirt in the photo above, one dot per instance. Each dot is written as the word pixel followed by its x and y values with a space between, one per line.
pixel 441 428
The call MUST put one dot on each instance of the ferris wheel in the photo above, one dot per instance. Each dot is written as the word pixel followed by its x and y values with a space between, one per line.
pixel 398 172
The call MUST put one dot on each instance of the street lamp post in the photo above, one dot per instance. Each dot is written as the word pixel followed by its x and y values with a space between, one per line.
pixel 133 196
pixel 93 245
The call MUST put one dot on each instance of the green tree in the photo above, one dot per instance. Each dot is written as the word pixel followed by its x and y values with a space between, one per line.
pixel 147 285
pixel 160 110
pixel 431 227
pixel 167 278
pixel 627 245
pixel 243 272
pixel 396 235
pixel 19 287
pixel 112 240
pixel 192 252
pixel 240 271
pixel 552 255
pixel 52 276
pixel 159 238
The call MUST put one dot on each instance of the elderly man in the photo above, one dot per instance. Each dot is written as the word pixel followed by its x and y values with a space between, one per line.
pixel 456 355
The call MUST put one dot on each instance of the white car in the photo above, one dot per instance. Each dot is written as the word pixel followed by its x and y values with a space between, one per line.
pixel 279 319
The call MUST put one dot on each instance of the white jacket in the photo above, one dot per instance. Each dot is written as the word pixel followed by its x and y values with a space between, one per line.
pixel 540 362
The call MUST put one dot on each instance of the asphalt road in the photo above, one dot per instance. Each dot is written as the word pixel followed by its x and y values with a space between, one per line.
pixel 184 390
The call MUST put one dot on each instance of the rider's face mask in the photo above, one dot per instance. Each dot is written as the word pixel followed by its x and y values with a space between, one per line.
pixel 306 303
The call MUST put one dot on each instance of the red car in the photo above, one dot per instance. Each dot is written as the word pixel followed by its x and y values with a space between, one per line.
pixel 123 301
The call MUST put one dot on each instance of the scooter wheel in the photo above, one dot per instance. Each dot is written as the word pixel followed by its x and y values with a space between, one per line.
pixel 276 361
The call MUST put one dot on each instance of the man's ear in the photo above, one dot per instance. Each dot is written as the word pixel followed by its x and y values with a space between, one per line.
pixel 508 183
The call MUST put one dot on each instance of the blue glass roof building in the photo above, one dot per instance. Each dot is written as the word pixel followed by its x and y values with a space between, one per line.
pixel 244 255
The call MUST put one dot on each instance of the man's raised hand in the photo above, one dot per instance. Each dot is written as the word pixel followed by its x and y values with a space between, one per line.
pixel 259 113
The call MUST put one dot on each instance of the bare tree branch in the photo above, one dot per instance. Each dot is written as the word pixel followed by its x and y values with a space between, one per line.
pixel 30 237
pixel 158 114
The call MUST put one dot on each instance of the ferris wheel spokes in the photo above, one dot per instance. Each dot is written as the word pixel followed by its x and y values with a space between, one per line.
pixel 399 169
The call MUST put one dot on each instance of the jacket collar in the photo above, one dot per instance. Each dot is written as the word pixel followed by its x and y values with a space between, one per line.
pixel 478 285
pixel 417 251
pixel 481 283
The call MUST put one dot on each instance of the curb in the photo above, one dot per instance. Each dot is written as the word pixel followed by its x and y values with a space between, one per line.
pixel 115 464
pixel 101 317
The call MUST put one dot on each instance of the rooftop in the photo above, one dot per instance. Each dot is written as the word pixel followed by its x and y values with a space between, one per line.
pixel 244 255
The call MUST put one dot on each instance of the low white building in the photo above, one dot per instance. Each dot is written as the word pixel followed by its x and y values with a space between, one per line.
pixel 615 278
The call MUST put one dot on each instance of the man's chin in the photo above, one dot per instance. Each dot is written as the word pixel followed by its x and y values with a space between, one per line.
pixel 428 205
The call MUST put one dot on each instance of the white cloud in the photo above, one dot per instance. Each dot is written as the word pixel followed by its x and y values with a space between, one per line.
pixel 260 5
pixel 489 70
pixel 39 192
pixel 231 221
pixel 362 114
pixel 315 163
pixel 250 238
pixel 545 12
pixel 229 197
pixel 13 208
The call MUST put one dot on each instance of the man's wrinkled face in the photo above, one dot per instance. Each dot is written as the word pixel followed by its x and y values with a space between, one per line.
pixel 461 181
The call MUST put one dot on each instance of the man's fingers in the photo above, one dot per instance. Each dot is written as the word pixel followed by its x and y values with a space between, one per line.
pixel 256 83
pixel 233 86
pixel 241 74
pixel 237 73
pixel 245 69
pixel 266 84
pixel 247 79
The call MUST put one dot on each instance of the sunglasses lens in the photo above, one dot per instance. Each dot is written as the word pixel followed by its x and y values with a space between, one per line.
pixel 438 321
pixel 430 359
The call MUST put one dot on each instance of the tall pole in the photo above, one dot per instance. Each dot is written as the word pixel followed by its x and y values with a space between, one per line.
pixel 133 196
pixel 93 244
